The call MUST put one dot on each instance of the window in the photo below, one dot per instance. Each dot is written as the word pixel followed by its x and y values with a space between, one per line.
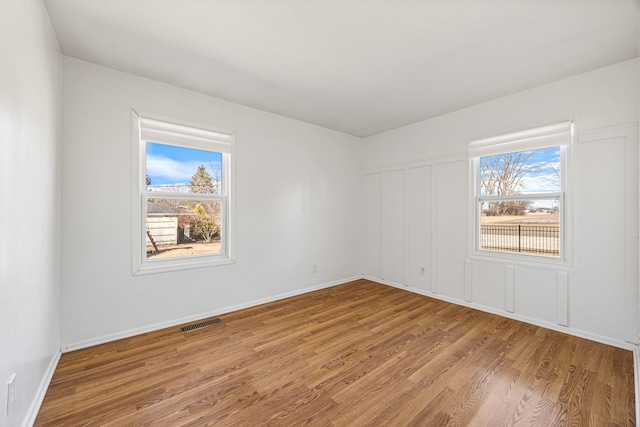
pixel 182 203
pixel 519 188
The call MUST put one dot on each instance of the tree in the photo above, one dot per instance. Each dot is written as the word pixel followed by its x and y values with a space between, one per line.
pixel 501 175
pixel 201 182
pixel 205 226
pixel 217 181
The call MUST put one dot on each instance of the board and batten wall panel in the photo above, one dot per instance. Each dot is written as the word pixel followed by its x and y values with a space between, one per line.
pixel 452 227
pixel 489 284
pixel 407 211
pixel 595 294
pixel 419 219
pixel 606 205
pixel 393 253
pixel 372 257
pixel 535 291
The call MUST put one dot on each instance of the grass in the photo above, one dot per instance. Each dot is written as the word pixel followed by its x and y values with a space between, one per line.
pixel 550 220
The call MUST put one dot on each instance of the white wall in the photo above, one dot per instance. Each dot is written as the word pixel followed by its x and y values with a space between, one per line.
pixel 417 181
pixel 297 194
pixel 30 97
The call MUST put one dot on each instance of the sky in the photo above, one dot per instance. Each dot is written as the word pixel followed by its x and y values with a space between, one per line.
pixel 173 166
pixel 544 177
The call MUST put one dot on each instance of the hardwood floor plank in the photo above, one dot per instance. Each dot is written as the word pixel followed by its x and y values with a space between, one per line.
pixel 354 354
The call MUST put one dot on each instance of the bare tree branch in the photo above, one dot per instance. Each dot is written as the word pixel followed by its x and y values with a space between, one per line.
pixel 502 175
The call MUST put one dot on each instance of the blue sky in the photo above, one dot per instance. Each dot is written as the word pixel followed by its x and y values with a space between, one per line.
pixel 171 165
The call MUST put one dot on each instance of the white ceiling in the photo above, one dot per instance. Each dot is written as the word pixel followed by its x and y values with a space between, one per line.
pixel 356 66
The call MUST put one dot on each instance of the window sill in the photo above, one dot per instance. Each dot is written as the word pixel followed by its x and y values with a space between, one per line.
pixel 168 265
pixel 520 259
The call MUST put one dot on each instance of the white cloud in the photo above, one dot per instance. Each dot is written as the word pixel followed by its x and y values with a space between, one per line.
pixel 546 180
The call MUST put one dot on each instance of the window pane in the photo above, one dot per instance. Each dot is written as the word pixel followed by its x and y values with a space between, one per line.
pixel 177 228
pixel 534 230
pixel 177 169
pixel 523 172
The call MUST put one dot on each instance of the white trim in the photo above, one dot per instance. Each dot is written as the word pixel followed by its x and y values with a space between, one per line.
pixel 607 133
pixel 522 262
pixel 187 262
pixel 381 268
pixel 36 403
pixel 175 322
pixel 406 228
pixel 383 264
pixel 520 258
pixel 137 154
pixel 547 325
pixel 176 132
pixel 636 377
pixel 435 197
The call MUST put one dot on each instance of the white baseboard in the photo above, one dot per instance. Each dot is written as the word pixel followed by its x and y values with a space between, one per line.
pixel 548 325
pixel 174 322
pixel 34 408
pixel 636 371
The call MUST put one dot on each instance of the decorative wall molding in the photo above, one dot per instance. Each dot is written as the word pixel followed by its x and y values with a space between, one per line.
pixel 607 133
pixel 536 322
pixel 436 160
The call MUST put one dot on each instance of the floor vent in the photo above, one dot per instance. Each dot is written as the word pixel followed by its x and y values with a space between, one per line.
pixel 200 325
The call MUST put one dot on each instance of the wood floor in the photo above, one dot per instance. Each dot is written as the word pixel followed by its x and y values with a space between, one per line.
pixel 358 354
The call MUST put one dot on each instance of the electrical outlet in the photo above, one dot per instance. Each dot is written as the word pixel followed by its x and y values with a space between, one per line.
pixel 314 268
pixel 11 393
pixel 423 271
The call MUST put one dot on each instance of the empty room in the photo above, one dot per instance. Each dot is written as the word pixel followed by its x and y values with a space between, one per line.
pixel 356 213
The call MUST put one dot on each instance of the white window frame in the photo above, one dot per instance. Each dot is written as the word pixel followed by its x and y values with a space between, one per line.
pixel 147 127
pixel 555 135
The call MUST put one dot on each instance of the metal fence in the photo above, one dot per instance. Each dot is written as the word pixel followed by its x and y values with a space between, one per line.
pixel 531 239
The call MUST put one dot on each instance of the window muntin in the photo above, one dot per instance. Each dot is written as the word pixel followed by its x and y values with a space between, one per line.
pixel 184 186
pixel 519 193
